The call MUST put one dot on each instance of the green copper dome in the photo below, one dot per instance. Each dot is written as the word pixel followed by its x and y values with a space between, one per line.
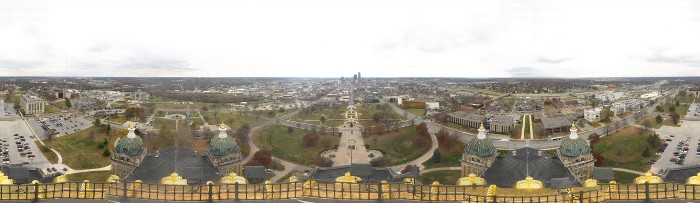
pixel 480 147
pixel 574 147
pixel 223 146
pixel 131 146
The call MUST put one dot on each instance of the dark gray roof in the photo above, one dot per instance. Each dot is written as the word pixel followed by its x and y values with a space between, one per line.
pixel 561 183
pixel 556 122
pixel 254 172
pixel 502 120
pixel 505 171
pixel 361 170
pixel 329 174
pixel 184 161
pixel 21 174
pixel 468 116
pixel 603 173
pixel 679 175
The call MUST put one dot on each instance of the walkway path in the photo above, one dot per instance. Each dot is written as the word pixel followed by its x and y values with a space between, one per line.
pixel 628 171
pixel 440 169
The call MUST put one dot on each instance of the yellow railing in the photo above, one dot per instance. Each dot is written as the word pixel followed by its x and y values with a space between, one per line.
pixel 345 191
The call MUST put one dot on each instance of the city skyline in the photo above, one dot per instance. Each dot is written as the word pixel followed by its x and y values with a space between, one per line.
pixel 473 39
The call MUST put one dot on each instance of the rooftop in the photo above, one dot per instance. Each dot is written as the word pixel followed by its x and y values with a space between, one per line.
pixel 509 169
pixel 182 160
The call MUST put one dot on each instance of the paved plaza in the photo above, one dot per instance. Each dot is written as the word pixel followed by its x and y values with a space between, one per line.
pixel 8 129
pixel 688 133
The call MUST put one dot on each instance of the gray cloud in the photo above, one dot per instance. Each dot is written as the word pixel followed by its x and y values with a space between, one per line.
pixel 661 57
pixel 99 47
pixel 153 62
pixel 552 60
pixel 13 64
pixel 524 72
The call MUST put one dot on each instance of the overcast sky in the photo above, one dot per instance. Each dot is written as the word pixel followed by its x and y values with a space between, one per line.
pixel 326 38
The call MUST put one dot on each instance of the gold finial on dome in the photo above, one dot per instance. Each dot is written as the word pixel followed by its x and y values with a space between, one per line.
pixel 529 183
pixel 481 127
pixel 648 178
pixel 60 179
pixel 222 126
pixel 573 126
pixel 131 125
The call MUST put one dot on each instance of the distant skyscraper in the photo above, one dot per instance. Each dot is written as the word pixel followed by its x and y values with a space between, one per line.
pixel 359 76
pixel 354 78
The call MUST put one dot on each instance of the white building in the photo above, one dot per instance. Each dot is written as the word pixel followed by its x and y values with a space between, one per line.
pixel 432 105
pixel 609 96
pixel 32 104
pixel 650 95
pixel 592 115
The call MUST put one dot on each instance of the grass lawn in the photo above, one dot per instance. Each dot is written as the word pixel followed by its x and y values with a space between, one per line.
pixel 61 102
pixel 238 119
pixel 448 177
pixel 159 122
pixel 121 119
pixel 515 134
pixel 288 146
pixel 417 112
pixel 652 121
pixel 624 177
pixel 449 157
pixel 80 151
pixel 623 149
pixel 47 153
pixel 397 146
pixel 682 109
pixel 334 112
pixel 48 109
pixel 160 113
pixel 95 176
pixel 367 111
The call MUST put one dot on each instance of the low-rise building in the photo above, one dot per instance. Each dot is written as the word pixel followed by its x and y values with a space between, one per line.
pixel 555 125
pixel 469 120
pixel 592 115
pixel 32 104
pixel 432 105
pixel 501 124
pixel 139 95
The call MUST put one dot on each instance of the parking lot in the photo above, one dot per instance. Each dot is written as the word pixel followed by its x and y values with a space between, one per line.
pixel 18 147
pixel 682 146
pixel 7 111
pixel 61 125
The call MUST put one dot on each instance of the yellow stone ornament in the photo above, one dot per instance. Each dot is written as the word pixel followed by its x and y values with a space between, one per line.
pixel 113 179
pixel 590 183
pixel 693 180
pixel 60 179
pixel 233 178
pixel 471 179
pixel 529 183
pixel 173 179
pixel 5 180
pixel 648 178
pixel 347 178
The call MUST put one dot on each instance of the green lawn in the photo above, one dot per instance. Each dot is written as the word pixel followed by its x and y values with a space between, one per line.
pixel 448 177
pixel 238 119
pixel 159 122
pixel 47 153
pixel 682 109
pixel 417 112
pixel 622 149
pixel 331 113
pixel 367 111
pixel 61 102
pixel 121 119
pixel 624 177
pixel 95 176
pixel 80 151
pixel 397 146
pixel 652 121
pixel 48 109
pixel 288 146
pixel 449 157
